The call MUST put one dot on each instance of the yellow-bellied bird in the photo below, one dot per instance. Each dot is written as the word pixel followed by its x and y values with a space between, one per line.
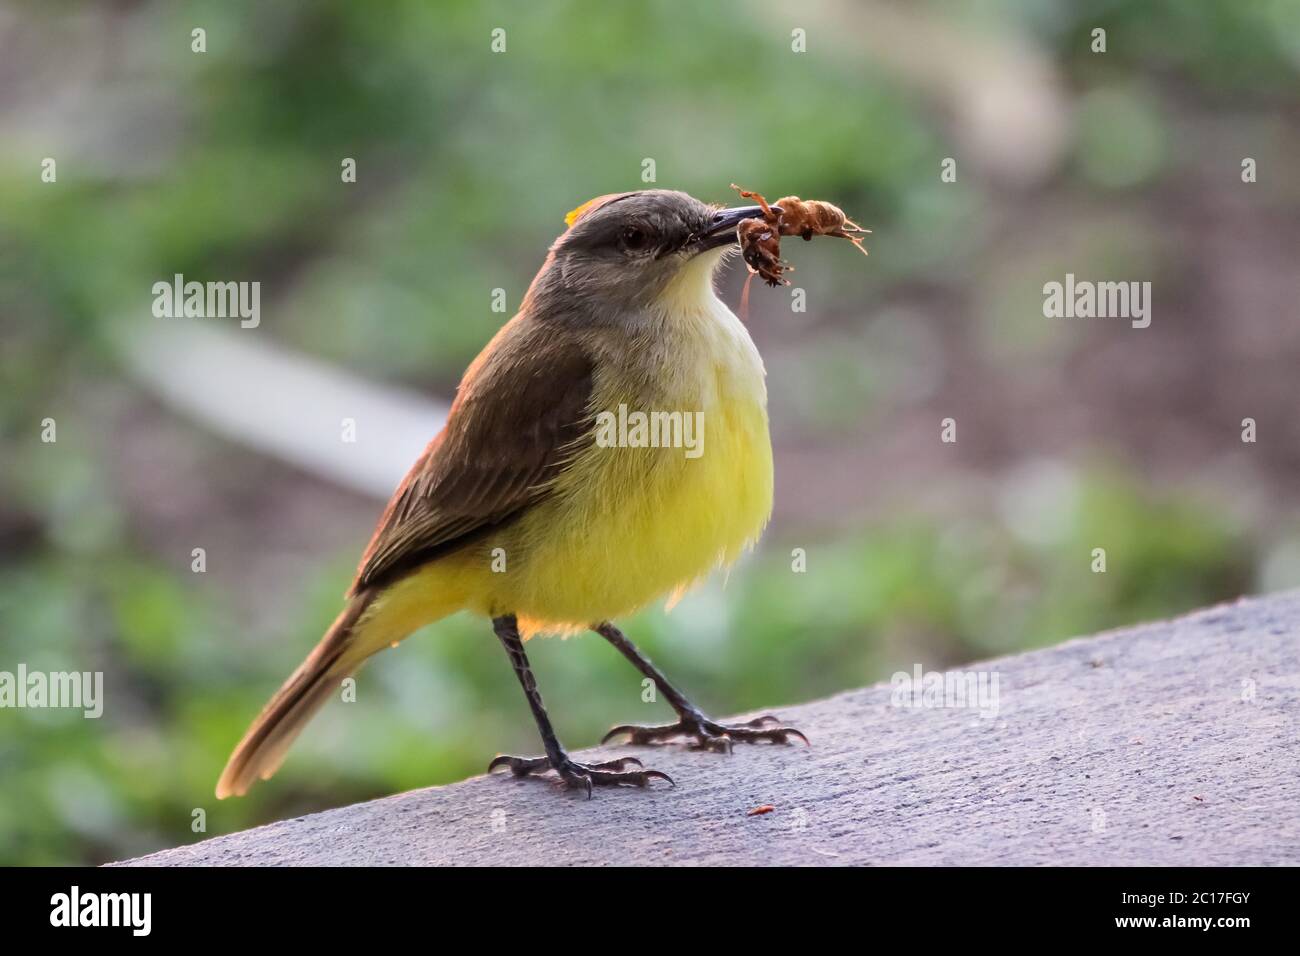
pixel 608 448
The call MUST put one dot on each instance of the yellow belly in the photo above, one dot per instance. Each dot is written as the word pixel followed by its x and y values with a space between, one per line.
pixel 641 524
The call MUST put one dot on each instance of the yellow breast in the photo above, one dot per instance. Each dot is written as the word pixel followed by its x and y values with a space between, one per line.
pixel 631 524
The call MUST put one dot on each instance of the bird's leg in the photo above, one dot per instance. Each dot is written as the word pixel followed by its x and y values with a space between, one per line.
pixel 571 773
pixel 691 721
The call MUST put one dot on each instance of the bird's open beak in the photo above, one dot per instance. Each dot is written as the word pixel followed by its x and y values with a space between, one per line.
pixel 723 228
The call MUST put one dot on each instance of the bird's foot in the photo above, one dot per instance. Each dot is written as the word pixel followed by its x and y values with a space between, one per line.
pixel 580 776
pixel 709 734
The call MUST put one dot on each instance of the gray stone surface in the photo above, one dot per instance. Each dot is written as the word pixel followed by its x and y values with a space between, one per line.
pixel 1168 744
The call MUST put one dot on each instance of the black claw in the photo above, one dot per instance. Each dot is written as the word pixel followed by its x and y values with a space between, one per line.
pixel 586 783
pixel 615 731
pixel 519 766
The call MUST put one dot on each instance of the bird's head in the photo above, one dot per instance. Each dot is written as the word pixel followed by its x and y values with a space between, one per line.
pixel 630 250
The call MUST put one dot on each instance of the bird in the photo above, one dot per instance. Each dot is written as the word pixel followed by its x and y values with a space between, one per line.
pixel 545 506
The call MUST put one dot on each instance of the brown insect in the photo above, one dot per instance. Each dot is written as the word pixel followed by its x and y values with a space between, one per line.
pixel 760 239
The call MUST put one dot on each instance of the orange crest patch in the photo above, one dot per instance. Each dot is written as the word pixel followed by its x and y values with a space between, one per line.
pixel 576 214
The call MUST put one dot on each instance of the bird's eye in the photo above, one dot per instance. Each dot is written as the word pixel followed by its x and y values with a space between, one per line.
pixel 634 238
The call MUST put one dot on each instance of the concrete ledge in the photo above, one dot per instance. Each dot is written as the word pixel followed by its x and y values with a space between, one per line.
pixel 1168 744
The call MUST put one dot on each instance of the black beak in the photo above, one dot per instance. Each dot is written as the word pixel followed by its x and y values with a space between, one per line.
pixel 722 230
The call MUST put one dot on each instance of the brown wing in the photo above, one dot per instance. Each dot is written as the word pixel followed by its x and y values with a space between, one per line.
pixel 520 415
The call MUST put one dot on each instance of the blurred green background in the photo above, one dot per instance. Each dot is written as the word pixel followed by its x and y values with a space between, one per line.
pixel 1072 435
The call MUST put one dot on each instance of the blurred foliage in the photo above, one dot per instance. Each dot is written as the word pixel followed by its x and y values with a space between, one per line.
pixel 466 163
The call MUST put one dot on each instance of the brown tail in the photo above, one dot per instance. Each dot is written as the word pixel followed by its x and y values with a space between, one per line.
pixel 262 750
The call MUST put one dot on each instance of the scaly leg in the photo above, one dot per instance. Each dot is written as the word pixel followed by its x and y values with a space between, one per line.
pixel 571 773
pixel 692 722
